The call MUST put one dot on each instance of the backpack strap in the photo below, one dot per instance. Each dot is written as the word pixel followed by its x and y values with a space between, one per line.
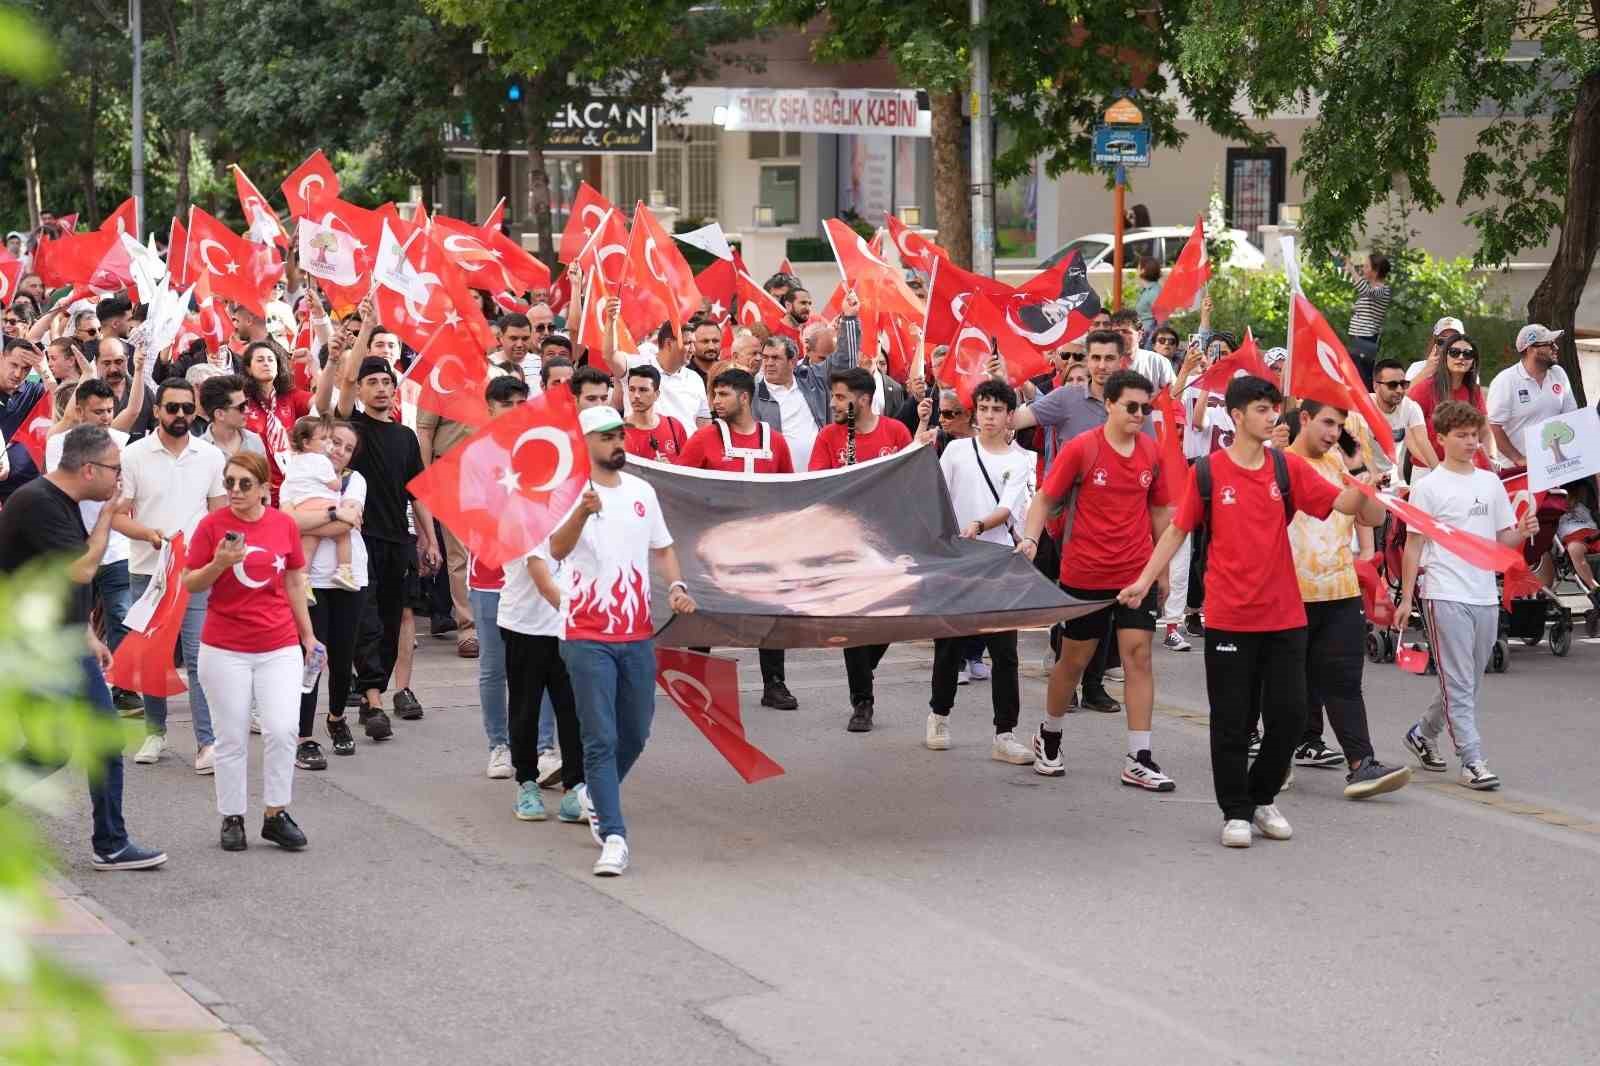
pixel 1280 473
pixel 1202 481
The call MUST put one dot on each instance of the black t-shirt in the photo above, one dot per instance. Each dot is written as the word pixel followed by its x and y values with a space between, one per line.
pixel 39 520
pixel 388 457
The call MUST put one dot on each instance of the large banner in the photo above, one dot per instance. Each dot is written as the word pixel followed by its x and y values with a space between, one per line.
pixel 892 111
pixel 865 555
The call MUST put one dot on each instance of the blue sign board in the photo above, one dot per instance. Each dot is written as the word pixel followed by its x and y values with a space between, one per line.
pixel 1127 146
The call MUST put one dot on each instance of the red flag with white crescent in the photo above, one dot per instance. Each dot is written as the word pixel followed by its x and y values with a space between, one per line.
pixel 706 689
pixel 1471 548
pixel 10 274
pixel 451 372
pixel 963 368
pixel 657 268
pixel 143 661
pixel 261 221
pixel 1186 278
pixel 238 270
pixel 589 210
pixel 308 183
pixel 35 428
pixel 916 251
pixel 1322 370
pixel 1246 359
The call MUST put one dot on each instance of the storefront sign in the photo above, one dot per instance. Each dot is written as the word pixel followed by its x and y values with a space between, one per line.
pixel 603 126
pixel 891 111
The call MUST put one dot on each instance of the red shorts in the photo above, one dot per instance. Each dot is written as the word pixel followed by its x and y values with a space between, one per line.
pixel 1589 538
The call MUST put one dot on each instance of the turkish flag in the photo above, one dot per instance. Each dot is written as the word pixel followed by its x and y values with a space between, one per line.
pixel 497 215
pixel 1374 593
pixel 468 248
pixel 1186 278
pixel 916 251
pixel 261 221
pixel 309 182
pixel 757 307
pixel 1169 439
pixel 948 292
pixel 411 299
pixel 964 365
pixel 35 428
pixel 657 268
pixel 10 274
pixel 589 210
pixel 905 345
pixel 1246 359
pixel 239 271
pixel 706 689
pixel 125 219
pixel 143 661
pixel 718 284
pixel 784 266
pixel 561 293
pixel 83 259
pixel 1023 358
pixel 510 304
pixel 177 253
pixel 606 250
pixel 526 270
pixel 1320 369
pixel 1471 548
pixel 505 488
pixel 830 310
pixel 876 283
pixel 591 330
pixel 451 373
pixel 68 223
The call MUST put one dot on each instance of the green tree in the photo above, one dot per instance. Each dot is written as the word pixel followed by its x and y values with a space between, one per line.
pixel 1383 77
pixel 1554 436
pixel 563 50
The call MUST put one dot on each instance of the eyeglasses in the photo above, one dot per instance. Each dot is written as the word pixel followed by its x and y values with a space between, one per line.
pixel 238 408
pixel 943 414
pixel 178 408
pixel 90 332
pixel 1134 407
pixel 1401 384
pixel 239 484
pixel 1463 353
pixel 114 467
pixel 13 321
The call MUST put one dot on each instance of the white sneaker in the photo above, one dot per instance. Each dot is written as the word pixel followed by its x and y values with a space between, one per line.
pixel 255 721
pixel 937 736
pixel 1116 674
pixel 499 762
pixel 1141 771
pixel 1007 749
pixel 1478 776
pixel 613 857
pixel 1236 833
pixel 964 677
pixel 1272 824
pixel 205 760
pixel 977 671
pixel 1043 764
pixel 1174 640
pixel 549 770
pixel 586 808
pixel 150 751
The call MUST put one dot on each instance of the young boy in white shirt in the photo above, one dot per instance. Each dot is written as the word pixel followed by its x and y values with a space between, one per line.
pixel 1459 600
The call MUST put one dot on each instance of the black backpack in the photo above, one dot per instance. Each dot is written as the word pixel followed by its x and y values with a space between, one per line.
pixel 1280 473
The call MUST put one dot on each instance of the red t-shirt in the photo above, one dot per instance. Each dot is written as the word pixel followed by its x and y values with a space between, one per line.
pixel 886 438
pixel 289 408
pixel 484 578
pixel 1250 579
pixel 704 451
pixel 1423 394
pixel 249 610
pixel 1112 536
pixel 664 443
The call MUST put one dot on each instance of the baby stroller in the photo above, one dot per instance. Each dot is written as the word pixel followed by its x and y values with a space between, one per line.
pixel 1531 616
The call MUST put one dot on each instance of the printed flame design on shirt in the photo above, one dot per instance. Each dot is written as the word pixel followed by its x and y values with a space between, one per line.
pixel 615 610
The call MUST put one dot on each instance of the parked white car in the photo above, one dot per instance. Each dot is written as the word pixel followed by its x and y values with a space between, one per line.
pixel 1163 242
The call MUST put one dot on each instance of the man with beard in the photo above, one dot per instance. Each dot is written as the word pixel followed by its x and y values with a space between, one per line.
pixel 797 305
pixel 707 350
pixel 792 397
pixel 516 335
pixel 111 367
pixel 649 433
pixel 1524 394
pixel 172 479
pixel 609 542
pixel 116 317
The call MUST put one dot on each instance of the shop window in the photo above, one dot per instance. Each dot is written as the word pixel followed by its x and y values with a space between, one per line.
pixel 1255 188
pixel 780 190
pixel 771 144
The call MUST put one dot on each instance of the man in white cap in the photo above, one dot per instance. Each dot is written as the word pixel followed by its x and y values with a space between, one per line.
pixel 1447 324
pixel 606 548
pixel 1524 394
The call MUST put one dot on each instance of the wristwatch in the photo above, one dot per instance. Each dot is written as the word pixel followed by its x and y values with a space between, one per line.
pixel 333 514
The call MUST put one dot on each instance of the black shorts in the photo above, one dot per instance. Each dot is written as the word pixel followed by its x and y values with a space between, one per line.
pixel 1092 626
pixel 416 594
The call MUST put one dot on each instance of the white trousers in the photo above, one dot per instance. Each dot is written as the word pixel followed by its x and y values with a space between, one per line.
pixel 1178 583
pixel 270 681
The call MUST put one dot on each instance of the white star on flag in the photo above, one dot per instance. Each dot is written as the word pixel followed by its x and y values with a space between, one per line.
pixel 278 563
pixel 509 482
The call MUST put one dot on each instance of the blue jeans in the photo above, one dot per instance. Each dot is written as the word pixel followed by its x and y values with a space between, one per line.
pixel 111 589
pixel 614 687
pixel 105 787
pixel 492 677
pixel 155 707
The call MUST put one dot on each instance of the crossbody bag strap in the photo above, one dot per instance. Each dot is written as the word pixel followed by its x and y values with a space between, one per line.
pixel 977 453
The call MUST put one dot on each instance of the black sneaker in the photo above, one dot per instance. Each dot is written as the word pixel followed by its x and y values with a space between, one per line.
pixel 1193 626
pixel 339 734
pixel 280 829
pixel 126 701
pixel 308 756
pixel 1100 701
pixel 353 699
pixel 1317 753
pixel 1372 778
pixel 407 707
pixel 375 722
pixel 131 857
pixel 233 833
pixel 1253 745
pixel 442 627
pixel 860 717
pixel 777 696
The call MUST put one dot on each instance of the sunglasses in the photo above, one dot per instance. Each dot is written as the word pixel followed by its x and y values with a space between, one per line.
pixel 1167 340
pixel 1463 353
pixel 544 327
pixel 239 484
pixel 1401 384
pixel 178 408
pixel 13 321
pixel 92 332
pixel 1134 407
pixel 237 408
pixel 950 414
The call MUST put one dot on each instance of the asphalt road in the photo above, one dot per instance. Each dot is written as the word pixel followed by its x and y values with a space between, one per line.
pixel 882 903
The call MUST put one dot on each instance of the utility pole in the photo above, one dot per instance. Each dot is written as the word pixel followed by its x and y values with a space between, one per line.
pixel 982 160
pixel 136 24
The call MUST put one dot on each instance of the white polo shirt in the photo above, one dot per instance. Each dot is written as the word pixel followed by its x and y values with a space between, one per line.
pixel 168 492
pixel 683 395
pixel 1517 400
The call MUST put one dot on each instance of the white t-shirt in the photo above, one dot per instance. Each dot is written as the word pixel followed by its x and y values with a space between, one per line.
pixel 608 572
pixel 116 543
pixel 1415 369
pixel 683 395
pixel 1475 503
pixel 306 478
pixel 970 496
pixel 1216 428
pixel 169 492
pixel 325 559
pixel 1401 419
pixel 522 609
pixel 799 428
pixel 1153 365
pixel 1517 400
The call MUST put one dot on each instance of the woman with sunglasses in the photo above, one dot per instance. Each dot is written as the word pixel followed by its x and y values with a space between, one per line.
pixel 273 404
pixel 248 556
pixel 1455 378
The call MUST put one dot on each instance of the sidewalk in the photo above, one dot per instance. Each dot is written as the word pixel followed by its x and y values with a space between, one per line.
pixel 148 992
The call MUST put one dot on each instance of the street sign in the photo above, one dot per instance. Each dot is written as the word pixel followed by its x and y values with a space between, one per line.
pixel 1124 113
pixel 1127 146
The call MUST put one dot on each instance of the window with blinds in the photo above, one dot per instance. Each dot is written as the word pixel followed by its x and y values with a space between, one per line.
pixel 684 167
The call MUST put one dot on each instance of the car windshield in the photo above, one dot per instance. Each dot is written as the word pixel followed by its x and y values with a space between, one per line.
pixel 1091 250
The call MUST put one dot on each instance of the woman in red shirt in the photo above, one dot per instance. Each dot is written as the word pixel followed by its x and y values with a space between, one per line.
pixel 272 404
pixel 248 555
pixel 1454 378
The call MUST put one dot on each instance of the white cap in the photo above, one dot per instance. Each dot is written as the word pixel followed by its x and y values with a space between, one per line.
pixel 1448 323
pixel 1534 333
pixel 599 419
